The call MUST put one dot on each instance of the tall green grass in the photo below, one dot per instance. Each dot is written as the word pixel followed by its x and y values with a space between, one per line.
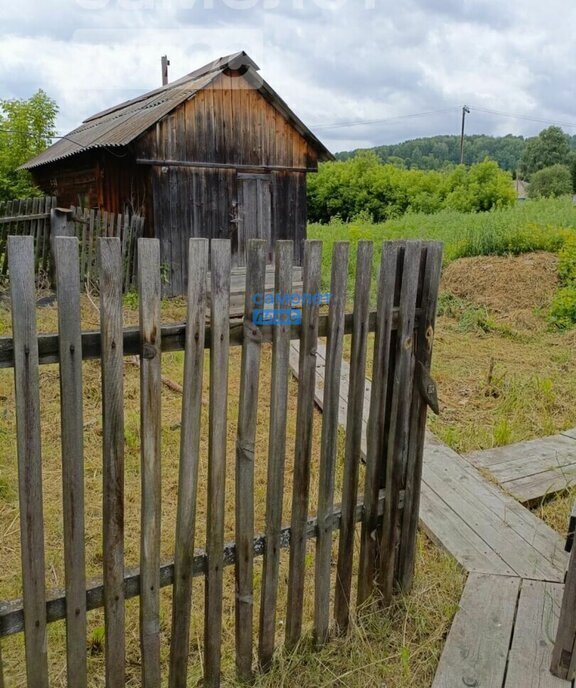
pixel 534 225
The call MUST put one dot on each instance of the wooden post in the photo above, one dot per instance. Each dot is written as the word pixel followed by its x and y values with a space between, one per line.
pixel 564 653
pixel 61 222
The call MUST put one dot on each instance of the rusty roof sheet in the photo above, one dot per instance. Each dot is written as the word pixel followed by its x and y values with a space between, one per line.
pixel 122 123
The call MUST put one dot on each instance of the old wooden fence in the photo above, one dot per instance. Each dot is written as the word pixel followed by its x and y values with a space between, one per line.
pixel 36 217
pixel 403 326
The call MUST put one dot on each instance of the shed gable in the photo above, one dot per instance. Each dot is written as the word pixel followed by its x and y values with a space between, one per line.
pixel 228 122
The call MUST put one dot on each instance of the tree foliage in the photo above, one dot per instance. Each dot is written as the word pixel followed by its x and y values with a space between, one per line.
pixel 364 186
pixel 552 181
pixel 550 147
pixel 26 129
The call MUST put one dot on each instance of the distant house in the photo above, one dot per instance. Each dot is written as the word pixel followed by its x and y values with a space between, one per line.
pixel 215 154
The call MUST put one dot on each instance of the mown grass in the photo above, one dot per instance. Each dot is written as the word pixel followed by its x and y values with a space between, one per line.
pixel 534 225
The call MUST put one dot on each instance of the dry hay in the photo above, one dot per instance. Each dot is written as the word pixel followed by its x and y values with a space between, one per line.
pixel 512 288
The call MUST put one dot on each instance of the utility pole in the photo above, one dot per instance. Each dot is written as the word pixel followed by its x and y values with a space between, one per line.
pixel 465 111
pixel 165 65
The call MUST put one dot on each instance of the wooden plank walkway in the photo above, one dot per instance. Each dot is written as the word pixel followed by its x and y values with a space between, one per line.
pixel 503 634
pixel 534 469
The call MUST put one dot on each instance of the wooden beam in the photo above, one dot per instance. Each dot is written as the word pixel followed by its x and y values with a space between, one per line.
pixel 173 339
pixel 12 612
pixel 223 166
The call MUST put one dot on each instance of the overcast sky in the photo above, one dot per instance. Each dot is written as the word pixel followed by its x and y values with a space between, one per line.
pixel 333 61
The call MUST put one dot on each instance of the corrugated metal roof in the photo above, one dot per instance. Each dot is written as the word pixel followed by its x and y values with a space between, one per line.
pixel 121 124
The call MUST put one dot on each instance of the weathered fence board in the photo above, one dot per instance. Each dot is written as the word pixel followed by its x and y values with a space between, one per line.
pixel 328 440
pixel 245 449
pixel 353 447
pixel 276 459
pixel 220 291
pixel 189 461
pixel 151 478
pixel 408 277
pixel 68 296
pixel 27 393
pixel 110 261
pixel 303 448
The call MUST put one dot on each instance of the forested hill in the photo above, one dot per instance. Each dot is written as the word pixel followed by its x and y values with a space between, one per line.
pixel 435 152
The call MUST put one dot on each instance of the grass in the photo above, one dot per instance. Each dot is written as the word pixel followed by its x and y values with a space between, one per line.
pixel 387 647
pixel 534 225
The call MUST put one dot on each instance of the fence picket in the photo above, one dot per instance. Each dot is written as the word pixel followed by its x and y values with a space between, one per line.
pixel 70 348
pixel 150 429
pixel 353 446
pixel 245 448
pixel 376 420
pixel 303 448
pixel 110 268
pixel 189 460
pixel 276 458
pixel 328 440
pixel 27 394
pixel 220 344
pixel 398 433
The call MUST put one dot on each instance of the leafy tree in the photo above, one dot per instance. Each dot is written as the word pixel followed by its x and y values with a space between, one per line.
pixel 26 129
pixel 555 180
pixel 550 147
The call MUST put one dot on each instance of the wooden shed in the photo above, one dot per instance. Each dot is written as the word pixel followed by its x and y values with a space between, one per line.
pixel 215 154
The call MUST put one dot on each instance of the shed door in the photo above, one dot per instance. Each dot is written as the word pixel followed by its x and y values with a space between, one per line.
pixel 254 214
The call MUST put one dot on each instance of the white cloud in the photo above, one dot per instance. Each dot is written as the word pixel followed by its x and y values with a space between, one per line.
pixel 332 60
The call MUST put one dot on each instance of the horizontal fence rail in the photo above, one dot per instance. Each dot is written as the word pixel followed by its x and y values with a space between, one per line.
pixel 403 328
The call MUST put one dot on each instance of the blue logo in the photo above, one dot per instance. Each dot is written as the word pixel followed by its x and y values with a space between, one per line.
pixel 277 316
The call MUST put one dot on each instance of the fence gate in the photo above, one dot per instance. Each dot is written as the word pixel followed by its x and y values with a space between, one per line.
pixel 386 514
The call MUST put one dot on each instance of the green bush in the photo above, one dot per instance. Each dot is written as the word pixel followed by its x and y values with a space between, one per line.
pixel 550 182
pixel 362 185
pixel 563 308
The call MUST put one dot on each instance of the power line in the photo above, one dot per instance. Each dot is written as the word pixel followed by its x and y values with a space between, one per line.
pixel 528 118
pixel 337 125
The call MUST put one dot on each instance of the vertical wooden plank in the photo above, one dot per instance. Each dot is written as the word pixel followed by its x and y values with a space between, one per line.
pixel 220 345
pixel 245 448
pixel 352 453
pixel 564 654
pixel 70 349
pixel 424 339
pixel 150 428
pixel 329 438
pixel 376 420
pixel 110 268
pixel 303 447
pixel 27 395
pixel 397 454
pixel 189 461
pixel 276 458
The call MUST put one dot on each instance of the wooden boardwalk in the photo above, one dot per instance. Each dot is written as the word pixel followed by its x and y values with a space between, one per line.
pixel 503 633
pixel 532 470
